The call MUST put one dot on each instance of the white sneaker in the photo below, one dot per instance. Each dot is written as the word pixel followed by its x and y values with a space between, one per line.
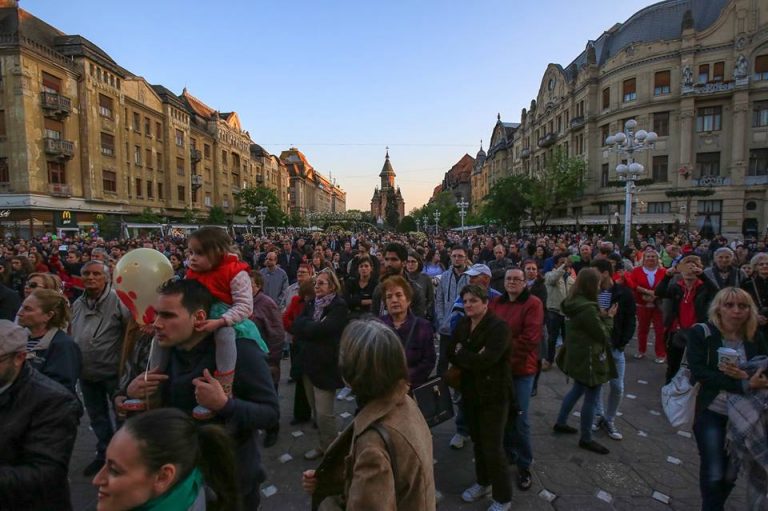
pixel 457 441
pixel 343 393
pixel 598 423
pixel 475 493
pixel 612 430
pixel 498 506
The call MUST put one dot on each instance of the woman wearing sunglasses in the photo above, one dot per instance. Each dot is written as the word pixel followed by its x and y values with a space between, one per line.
pixel 732 324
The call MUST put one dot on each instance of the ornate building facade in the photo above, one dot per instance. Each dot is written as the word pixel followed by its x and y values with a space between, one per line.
pixel 458 180
pixel 387 201
pixel 82 138
pixel 694 72
pixel 310 191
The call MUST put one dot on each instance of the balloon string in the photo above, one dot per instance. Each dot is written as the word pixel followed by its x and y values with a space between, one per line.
pixel 146 372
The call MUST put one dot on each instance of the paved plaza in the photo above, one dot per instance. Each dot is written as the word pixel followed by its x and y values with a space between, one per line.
pixel 654 463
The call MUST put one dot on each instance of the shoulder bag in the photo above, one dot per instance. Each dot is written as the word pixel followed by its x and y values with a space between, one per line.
pixel 678 397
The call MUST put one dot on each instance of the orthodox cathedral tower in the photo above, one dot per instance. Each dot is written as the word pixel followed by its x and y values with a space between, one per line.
pixel 387 204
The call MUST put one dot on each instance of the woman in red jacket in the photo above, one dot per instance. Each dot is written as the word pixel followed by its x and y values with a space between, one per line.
pixel 643 281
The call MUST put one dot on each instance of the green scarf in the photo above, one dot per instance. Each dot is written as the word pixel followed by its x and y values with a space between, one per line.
pixel 179 498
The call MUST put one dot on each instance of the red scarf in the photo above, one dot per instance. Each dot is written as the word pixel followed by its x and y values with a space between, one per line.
pixel 217 279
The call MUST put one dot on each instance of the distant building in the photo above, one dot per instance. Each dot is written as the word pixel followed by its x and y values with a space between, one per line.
pixel 387 199
pixel 458 180
pixel 310 191
pixel 696 73
pixel 83 139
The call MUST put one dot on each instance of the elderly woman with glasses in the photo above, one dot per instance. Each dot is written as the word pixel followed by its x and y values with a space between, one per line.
pixel 42 281
pixel 319 329
pixel 757 287
pixel 732 324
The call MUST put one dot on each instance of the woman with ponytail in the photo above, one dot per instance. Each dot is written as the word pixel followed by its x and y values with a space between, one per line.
pixel 163 460
pixel 45 313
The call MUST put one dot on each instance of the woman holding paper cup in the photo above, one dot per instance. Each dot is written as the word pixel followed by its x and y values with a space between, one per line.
pixel 716 357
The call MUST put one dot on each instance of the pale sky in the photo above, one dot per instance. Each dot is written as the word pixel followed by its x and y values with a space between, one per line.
pixel 341 80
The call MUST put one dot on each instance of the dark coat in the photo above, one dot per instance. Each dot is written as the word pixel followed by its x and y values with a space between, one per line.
pixel 38 426
pixel 587 358
pixel 482 356
pixel 670 289
pixel 625 320
pixel 703 362
pixel 61 362
pixel 419 349
pixel 320 341
pixel 354 294
pixel 254 406
pixel 9 303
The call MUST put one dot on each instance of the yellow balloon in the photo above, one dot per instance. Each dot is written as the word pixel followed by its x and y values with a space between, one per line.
pixel 138 275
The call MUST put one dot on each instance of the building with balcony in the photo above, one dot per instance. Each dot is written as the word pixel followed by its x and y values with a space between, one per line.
pixel 694 72
pixel 310 191
pixel 82 138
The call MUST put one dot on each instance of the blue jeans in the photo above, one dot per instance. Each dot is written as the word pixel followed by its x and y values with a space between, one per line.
pixel 555 328
pixel 587 408
pixel 517 435
pixel 709 430
pixel 616 389
pixel 97 397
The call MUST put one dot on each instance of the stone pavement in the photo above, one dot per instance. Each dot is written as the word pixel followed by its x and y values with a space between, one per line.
pixel 653 457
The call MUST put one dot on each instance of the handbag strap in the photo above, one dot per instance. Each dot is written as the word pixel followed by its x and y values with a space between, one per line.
pixel 384 434
pixel 410 333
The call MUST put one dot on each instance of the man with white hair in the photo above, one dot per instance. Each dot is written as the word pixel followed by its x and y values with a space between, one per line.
pixel 98 325
pixel 722 273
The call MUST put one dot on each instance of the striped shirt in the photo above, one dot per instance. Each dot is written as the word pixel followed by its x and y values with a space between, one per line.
pixel 604 299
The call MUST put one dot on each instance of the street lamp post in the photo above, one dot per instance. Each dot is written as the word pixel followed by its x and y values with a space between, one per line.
pixel 463 205
pixel 425 223
pixel 261 209
pixel 437 219
pixel 629 142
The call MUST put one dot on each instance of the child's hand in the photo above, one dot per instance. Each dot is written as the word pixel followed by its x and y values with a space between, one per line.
pixel 209 325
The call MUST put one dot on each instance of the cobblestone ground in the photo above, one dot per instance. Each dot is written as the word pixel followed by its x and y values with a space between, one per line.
pixel 654 463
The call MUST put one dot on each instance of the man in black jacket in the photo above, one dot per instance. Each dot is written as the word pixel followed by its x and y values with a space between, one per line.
pixel 38 426
pixel 616 295
pixel 189 380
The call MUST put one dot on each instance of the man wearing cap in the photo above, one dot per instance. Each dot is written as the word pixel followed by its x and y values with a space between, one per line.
pixel 38 426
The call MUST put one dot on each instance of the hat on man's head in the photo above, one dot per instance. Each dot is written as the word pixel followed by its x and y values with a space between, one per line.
pixel 478 269
pixel 13 338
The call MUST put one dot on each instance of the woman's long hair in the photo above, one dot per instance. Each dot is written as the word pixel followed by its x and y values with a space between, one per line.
pixel 749 328
pixel 168 435
pixel 587 284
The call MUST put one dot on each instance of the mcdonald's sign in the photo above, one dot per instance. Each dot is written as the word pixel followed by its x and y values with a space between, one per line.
pixel 66 218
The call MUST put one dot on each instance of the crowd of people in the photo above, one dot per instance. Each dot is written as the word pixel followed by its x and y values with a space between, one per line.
pixel 180 405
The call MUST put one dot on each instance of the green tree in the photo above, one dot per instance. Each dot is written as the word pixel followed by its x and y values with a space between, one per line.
pixel 539 196
pixel 217 216
pixel 407 224
pixel 250 198
pixel 445 203
pixel 148 216
pixel 189 216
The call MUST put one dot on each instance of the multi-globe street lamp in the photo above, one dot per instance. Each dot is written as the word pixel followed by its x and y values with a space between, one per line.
pixel 437 220
pixel 261 209
pixel 425 223
pixel 629 142
pixel 463 205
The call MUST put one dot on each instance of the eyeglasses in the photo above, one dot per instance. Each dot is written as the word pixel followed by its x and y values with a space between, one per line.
pixel 31 285
pixel 741 305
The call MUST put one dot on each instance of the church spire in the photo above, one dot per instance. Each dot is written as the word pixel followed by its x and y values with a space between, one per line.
pixel 387 173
